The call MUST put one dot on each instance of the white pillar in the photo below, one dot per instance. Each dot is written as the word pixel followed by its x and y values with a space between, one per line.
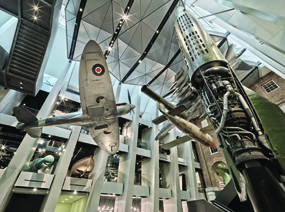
pixel 97 175
pixel 171 174
pixel 27 147
pixel 128 161
pixel 150 170
pixel 51 198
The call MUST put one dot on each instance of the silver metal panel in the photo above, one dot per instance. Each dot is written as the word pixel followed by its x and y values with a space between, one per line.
pixel 142 191
pixel 182 161
pixel 197 165
pixel 143 152
pixel 34 180
pixel 77 184
pixel 164 193
pixel 123 147
pixel 164 157
pixel 112 188
pixel 185 195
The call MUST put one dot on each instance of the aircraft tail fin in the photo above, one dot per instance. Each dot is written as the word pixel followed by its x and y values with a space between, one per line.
pixel 25 116
pixel 34 132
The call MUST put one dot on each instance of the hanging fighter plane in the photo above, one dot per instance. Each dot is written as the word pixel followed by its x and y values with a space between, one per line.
pixel 99 109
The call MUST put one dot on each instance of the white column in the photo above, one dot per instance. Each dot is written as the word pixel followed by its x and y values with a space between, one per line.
pixel 186 153
pixel 97 175
pixel 171 174
pixel 51 198
pixel 150 170
pixel 128 161
pixel 27 147
pixel 11 99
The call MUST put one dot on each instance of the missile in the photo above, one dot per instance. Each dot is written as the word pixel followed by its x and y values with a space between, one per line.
pixel 188 128
pixel 39 163
pixel 237 125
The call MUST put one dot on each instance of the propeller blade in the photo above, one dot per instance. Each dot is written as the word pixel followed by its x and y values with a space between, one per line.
pixel 129 97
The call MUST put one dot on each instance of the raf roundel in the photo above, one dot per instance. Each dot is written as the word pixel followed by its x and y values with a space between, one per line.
pixel 98 70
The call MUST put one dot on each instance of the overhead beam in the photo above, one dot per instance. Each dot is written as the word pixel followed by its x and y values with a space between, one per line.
pixel 165 67
pixel 216 13
pixel 118 28
pixel 76 28
pixel 153 39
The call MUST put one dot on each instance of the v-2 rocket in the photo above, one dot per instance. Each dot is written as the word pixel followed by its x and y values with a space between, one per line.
pixel 238 128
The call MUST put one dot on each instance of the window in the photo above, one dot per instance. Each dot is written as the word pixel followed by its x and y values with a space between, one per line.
pixel 270 86
pixel 213 150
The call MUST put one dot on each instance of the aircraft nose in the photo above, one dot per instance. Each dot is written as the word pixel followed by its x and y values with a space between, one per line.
pixel 132 106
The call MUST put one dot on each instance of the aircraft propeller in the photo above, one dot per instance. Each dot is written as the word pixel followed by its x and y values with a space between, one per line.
pixel 130 101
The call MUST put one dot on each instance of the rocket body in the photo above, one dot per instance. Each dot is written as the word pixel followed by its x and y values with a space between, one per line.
pixel 238 128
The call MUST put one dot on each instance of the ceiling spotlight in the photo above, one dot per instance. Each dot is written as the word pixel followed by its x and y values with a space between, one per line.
pixel 21 82
pixel 3 147
pixel 80 9
pixel 35 17
pixel 112 41
pixel 128 7
pixel 124 17
pixel 75 192
pixel 62 97
pixel 140 61
pixel 157 31
pixel 57 103
pixel 35 7
pixel 49 136
pixel 109 48
pixel 24 104
pixel 35 189
pixel 21 87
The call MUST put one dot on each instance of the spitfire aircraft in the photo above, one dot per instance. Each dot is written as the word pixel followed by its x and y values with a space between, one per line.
pixel 99 109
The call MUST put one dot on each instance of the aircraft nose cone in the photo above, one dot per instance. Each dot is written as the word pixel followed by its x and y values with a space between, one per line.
pixel 132 106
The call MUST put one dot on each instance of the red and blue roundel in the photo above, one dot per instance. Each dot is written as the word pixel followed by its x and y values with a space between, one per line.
pixel 98 70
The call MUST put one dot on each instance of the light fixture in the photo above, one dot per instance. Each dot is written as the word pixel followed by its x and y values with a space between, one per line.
pixel 21 87
pixel 3 147
pixel 140 61
pixel 35 189
pixel 128 7
pixel 49 136
pixel 35 7
pixel 109 48
pixel 21 82
pixel 157 31
pixel 62 97
pixel 35 17
pixel 75 192
pixel 57 103
pixel 124 16
pixel 44 150
pixel 24 104
pixel 80 9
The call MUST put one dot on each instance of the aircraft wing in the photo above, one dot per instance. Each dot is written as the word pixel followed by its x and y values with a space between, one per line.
pixel 95 87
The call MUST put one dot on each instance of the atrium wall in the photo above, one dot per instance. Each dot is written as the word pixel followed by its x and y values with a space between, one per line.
pixel 146 178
